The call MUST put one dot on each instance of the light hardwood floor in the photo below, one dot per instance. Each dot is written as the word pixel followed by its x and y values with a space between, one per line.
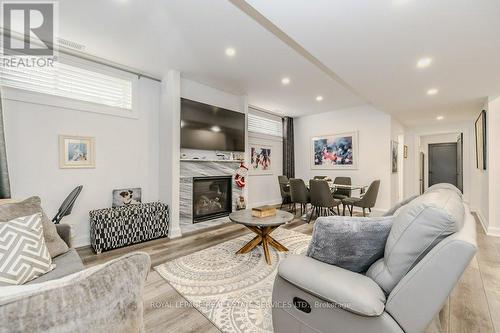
pixel 473 306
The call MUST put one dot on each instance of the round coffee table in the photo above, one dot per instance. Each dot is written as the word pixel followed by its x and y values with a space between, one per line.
pixel 262 226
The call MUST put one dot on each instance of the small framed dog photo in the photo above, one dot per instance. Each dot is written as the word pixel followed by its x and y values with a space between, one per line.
pixel 127 197
pixel 76 152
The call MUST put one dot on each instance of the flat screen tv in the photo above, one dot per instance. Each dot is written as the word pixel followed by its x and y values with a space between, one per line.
pixel 208 127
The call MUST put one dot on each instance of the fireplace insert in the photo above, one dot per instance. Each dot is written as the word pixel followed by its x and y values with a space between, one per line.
pixel 211 197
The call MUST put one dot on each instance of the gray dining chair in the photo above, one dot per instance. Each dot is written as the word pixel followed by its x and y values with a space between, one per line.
pixel 299 194
pixel 284 185
pixel 368 200
pixel 320 177
pixel 322 201
pixel 342 193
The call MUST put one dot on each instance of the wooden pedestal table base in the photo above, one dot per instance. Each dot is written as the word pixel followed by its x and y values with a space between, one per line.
pixel 263 237
pixel 262 227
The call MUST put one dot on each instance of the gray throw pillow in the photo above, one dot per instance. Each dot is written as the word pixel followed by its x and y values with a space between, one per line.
pixel 23 254
pixel 30 206
pixel 400 204
pixel 352 243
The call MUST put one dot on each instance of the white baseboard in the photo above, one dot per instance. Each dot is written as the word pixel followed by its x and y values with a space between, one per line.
pixel 493 231
pixel 482 220
pixel 174 232
pixel 490 231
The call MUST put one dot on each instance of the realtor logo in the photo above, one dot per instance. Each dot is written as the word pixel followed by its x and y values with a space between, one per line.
pixel 29 28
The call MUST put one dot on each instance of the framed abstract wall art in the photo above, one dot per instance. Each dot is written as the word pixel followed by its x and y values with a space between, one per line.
pixel 260 160
pixel 335 151
pixel 76 152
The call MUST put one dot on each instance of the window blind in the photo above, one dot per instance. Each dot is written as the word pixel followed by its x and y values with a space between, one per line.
pixel 258 124
pixel 71 82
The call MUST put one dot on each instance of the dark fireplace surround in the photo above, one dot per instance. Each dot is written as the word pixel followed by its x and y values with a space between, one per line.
pixel 211 197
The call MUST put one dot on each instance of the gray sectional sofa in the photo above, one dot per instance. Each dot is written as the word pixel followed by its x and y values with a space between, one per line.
pixel 66 263
pixel 430 244
pixel 72 298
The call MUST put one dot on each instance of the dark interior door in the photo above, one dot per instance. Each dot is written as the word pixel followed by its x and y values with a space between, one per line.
pixel 443 163
pixel 460 158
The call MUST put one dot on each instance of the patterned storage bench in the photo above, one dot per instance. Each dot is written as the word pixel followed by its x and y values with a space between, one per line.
pixel 111 228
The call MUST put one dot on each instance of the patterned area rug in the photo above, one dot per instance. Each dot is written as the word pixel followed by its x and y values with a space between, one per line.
pixel 233 291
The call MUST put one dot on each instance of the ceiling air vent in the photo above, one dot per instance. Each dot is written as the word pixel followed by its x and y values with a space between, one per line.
pixel 70 44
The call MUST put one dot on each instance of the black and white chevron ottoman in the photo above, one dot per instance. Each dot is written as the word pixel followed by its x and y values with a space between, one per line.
pixel 111 228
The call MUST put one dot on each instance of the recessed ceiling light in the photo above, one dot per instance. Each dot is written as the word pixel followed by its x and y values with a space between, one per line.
pixel 424 62
pixel 230 52
pixel 215 129
pixel 319 98
pixel 432 91
pixel 439 117
pixel 285 81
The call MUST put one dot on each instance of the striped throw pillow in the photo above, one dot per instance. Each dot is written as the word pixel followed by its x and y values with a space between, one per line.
pixel 23 253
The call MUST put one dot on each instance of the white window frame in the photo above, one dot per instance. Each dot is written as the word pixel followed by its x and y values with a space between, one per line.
pixel 34 97
pixel 254 111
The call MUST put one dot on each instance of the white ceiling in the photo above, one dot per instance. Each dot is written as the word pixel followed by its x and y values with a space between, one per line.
pixel 191 36
pixel 371 45
pixel 375 45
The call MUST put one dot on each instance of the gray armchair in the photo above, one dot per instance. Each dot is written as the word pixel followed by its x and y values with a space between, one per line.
pixel 368 200
pixel 401 292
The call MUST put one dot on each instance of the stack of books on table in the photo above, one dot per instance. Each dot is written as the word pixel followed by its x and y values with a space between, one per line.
pixel 263 211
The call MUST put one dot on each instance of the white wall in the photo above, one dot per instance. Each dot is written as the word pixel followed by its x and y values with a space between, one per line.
pixel 126 155
pixel 175 88
pixel 374 130
pixel 264 189
pixel 493 166
pixel 201 93
pixel 480 179
pixel 397 185
pixel 168 145
pixel 414 141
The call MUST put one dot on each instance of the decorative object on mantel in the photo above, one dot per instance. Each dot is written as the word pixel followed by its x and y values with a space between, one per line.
pixel 337 151
pixel 112 228
pixel 76 152
pixel 264 211
pixel 241 174
pixel 126 197
pixel 238 156
pixel 224 156
pixel 241 203
pixel 260 160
